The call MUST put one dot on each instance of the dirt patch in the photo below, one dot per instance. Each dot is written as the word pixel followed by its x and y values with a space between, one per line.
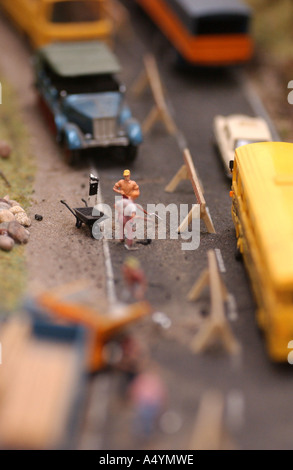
pixel 57 251
pixel 270 79
pixel 272 66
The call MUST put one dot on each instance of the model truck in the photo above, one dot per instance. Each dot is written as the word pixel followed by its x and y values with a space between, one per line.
pixel 78 89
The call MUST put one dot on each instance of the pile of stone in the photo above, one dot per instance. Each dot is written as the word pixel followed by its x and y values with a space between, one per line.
pixel 5 149
pixel 13 223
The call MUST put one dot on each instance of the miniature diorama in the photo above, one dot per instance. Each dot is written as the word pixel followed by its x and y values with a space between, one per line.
pixel 182 346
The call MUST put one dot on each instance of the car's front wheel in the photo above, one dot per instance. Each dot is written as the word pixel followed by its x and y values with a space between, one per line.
pixel 71 157
pixel 130 153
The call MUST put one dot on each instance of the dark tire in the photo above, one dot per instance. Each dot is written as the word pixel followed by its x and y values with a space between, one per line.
pixel 71 157
pixel 238 255
pixel 130 153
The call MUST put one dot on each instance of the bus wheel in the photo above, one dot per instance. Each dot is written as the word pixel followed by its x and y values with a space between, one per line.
pixel 238 255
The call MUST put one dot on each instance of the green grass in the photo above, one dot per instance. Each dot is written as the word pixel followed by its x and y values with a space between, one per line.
pixel 19 170
pixel 272 27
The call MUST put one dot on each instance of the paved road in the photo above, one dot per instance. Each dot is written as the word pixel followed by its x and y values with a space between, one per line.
pixel 257 394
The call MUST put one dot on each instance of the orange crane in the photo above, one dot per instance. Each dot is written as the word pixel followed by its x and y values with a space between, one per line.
pixel 101 326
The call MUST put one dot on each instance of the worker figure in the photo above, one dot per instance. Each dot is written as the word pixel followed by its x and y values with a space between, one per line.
pixel 134 278
pixel 148 394
pixel 126 187
pixel 126 210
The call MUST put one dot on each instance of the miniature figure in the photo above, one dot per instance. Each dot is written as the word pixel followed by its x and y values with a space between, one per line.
pixel 148 395
pixel 126 210
pixel 126 187
pixel 133 357
pixel 134 278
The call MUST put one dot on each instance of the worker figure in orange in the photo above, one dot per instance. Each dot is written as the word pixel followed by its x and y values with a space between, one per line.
pixel 126 187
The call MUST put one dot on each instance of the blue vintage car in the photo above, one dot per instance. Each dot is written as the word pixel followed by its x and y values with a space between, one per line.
pixel 77 85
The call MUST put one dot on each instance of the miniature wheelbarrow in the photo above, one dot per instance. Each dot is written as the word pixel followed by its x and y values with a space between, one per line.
pixel 84 215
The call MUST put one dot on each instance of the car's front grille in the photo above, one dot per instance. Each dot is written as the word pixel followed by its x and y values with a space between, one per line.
pixel 104 128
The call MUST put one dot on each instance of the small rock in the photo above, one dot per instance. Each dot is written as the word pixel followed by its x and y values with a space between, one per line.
pixel 11 202
pixel 6 201
pixel 23 219
pixel 6 243
pixel 6 216
pixel 5 149
pixel 38 217
pixel 4 206
pixel 15 209
pixel 20 215
pixel 18 232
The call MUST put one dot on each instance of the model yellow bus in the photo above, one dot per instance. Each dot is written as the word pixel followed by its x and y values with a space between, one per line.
pixel 262 211
pixel 45 21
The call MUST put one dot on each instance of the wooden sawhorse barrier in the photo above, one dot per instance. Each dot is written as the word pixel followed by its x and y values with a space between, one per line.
pixel 187 172
pixel 209 430
pixel 216 328
pixel 150 76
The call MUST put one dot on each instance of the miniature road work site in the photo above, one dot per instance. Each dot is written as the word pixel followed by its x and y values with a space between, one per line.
pixel 128 321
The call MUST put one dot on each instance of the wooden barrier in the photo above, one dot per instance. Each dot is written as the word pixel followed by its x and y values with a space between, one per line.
pixel 120 18
pixel 187 172
pixel 5 179
pixel 150 76
pixel 216 328
pixel 209 431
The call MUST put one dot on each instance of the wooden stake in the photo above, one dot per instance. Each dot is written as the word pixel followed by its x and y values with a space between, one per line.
pixel 216 328
pixel 181 175
pixel 160 111
pixel 5 179
pixel 120 18
pixel 187 171
pixel 209 432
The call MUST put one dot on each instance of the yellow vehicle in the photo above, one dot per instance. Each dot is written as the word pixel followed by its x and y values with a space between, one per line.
pixel 45 21
pixel 262 211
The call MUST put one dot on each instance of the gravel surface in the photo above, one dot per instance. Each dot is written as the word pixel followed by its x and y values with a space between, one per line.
pixel 57 252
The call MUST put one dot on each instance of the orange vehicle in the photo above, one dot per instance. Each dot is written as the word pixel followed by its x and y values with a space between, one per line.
pixel 45 21
pixel 214 32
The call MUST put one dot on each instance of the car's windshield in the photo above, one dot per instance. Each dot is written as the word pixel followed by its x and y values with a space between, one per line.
pixel 82 84
pixel 75 11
